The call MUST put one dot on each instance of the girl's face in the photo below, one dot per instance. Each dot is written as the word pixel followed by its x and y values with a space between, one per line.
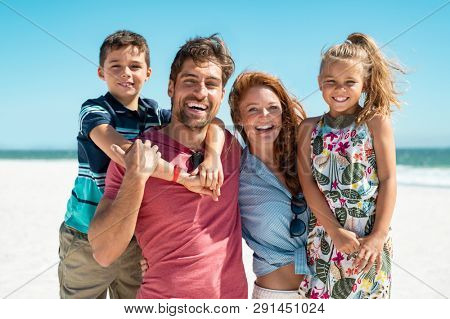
pixel 341 83
pixel 260 111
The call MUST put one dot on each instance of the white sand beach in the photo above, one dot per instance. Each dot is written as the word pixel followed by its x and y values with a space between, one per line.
pixel 33 195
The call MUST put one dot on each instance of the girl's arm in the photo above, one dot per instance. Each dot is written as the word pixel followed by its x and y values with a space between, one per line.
pixel 384 147
pixel 344 240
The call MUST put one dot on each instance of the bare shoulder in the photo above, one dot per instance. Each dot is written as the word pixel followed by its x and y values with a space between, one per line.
pixel 307 125
pixel 379 123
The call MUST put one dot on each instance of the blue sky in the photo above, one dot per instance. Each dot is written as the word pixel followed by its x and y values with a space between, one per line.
pixel 43 83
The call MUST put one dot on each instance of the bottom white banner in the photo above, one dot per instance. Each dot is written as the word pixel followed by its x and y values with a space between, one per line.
pixel 177 308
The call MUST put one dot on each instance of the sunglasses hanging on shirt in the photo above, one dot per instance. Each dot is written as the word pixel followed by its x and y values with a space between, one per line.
pixel 298 207
pixel 196 159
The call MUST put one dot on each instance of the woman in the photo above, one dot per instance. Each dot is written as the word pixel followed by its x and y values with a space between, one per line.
pixel 274 213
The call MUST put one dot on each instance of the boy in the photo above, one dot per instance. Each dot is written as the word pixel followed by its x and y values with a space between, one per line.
pixel 115 118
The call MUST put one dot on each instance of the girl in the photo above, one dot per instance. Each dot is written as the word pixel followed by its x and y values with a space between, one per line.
pixel 347 171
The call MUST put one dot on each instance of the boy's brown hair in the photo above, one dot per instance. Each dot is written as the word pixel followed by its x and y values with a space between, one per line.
pixel 123 38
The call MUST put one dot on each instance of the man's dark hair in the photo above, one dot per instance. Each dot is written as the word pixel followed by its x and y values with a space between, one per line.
pixel 123 38
pixel 200 50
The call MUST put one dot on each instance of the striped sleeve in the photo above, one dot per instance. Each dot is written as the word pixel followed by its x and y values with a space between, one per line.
pixel 92 116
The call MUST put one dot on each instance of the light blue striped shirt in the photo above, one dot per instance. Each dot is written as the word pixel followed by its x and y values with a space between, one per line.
pixel 265 206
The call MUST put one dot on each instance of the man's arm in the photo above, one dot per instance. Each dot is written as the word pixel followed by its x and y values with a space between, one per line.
pixel 114 222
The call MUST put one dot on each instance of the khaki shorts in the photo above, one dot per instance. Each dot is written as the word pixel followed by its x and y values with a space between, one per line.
pixel 80 276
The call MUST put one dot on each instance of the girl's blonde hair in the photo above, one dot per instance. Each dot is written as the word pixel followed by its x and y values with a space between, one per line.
pixel 378 78
pixel 285 145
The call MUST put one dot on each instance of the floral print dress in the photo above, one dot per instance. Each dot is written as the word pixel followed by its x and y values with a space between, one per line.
pixel 344 167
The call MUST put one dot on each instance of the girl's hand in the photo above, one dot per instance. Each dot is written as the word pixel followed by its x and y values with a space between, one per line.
pixel 345 240
pixel 211 173
pixel 371 248
pixel 144 266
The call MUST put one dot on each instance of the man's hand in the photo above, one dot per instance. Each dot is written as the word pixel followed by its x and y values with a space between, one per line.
pixel 345 240
pixel 141 159
pixel 144 266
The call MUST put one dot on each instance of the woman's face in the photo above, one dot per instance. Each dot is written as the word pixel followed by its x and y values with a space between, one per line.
pixel 260 111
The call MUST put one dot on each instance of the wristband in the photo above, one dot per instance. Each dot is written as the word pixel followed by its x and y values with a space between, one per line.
pixel 176 173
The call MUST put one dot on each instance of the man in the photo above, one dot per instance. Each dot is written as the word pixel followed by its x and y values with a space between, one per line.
pixel 191 242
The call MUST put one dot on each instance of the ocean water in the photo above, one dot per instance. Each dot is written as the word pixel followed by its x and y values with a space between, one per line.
pixel 415 167
pixel 424 157
pixel 38 154
pixel 424 167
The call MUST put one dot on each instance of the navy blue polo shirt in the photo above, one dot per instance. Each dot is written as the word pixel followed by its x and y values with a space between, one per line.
pixel 92 161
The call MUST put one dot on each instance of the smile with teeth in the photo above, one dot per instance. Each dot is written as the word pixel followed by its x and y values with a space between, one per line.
pixel 125 84
pixel 197 106
pixel 264 127
pixel 340 98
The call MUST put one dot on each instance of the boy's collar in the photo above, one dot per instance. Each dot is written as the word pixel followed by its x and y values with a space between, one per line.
pixel 118 105
pixel 114 102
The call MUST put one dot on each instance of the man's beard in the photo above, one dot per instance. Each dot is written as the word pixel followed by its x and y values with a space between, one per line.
pixel 193 123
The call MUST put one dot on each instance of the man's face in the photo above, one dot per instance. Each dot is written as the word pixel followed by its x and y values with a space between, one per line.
pixel 197 93
pixel 125 72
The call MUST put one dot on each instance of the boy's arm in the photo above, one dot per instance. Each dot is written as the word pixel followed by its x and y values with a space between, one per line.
pixel 211 170
pixel 344 240
pixel 115 219
pixel 105 136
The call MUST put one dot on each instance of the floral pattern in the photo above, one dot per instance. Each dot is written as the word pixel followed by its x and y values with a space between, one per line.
pixel 344 167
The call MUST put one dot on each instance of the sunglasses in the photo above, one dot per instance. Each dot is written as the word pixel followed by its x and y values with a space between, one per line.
pixel 196 159
pixel 298 207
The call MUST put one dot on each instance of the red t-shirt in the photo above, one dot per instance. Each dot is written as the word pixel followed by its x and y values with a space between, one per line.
pixel 192 244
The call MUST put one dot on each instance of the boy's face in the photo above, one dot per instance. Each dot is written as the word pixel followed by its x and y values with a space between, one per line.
pixel 125 71
pixel 197 93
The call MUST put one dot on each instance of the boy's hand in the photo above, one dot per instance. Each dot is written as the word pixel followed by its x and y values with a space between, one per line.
pixel 371 248
pixel 193 183
pixel 141 159
pixel 345 240
pixel 144 266
pixel 211 173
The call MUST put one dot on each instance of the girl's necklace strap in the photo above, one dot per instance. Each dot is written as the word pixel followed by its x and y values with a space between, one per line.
pixel 339 122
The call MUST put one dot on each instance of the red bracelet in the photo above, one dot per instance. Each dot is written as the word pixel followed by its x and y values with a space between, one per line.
pixel 176 173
